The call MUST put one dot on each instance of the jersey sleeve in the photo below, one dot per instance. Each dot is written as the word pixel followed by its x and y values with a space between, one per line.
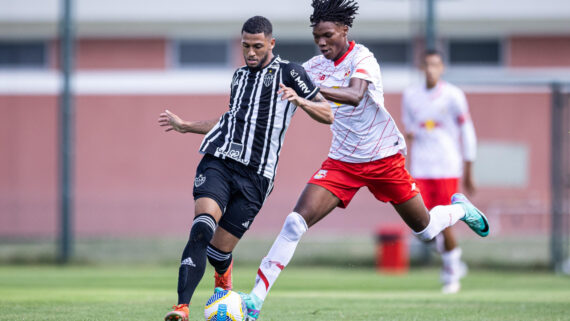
pixel 463 118
pixel 295 76
pixel 366 67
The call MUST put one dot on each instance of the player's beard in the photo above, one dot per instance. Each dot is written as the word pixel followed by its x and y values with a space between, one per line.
pixel 262 62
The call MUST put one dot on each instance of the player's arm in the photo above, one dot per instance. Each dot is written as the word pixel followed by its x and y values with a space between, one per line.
pixel 351 95
pixel 317 108
pixel 172 122
pixel 468 141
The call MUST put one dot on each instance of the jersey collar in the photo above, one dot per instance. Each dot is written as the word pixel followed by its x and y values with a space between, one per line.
pixel 341 59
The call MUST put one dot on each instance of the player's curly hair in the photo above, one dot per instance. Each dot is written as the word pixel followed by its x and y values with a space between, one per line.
pixel 341 11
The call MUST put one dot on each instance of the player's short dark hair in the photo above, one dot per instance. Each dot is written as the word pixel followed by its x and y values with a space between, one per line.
pixel 258 24
pixel 341 11
pixel 432 52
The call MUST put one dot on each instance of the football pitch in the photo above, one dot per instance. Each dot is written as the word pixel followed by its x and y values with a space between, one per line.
pixel 89 293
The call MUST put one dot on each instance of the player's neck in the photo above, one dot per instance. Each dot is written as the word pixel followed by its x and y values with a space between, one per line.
pixel 267 61
pixel 431 85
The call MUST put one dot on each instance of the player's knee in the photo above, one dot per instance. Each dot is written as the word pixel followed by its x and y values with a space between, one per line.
pixel 202 228
pixel 294 227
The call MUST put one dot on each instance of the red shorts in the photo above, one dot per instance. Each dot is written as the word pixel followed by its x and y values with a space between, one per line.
pixel 437 191
pixel 386 178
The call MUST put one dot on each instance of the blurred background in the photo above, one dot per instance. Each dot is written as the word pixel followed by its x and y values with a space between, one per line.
pixel 131 183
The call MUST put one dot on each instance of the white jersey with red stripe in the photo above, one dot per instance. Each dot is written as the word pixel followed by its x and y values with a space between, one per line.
pixel 435 117
pixel 366 132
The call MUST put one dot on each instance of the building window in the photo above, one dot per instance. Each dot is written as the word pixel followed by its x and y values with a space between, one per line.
pixel 298 52
pixel 474 52
pixel 23 54
pixel 390 52
pixel 203 53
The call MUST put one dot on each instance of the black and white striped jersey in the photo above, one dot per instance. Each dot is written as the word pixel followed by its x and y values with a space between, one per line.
pixel 253 129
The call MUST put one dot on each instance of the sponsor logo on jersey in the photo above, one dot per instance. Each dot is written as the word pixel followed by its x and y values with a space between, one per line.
pixel 322 77
pixel 245 224
pixel 234 152
pixel 321 174
pixel 347 73
pixel 413 186
pixel 300 83
pixel 430 124
pixel 199 180
pixel 188 261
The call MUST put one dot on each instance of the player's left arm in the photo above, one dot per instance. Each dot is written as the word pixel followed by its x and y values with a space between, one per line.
pixel 318 108
pixel 351 95
pixel 468 141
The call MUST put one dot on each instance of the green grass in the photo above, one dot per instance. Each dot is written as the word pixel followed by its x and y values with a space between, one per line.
pixel 91 293
pixel 83 293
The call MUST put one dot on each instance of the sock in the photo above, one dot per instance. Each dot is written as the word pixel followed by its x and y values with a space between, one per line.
pixel 441 217
pixel 220 260
pixel 279 255
pixel 451 266
pixel 193 263
pixel 451 258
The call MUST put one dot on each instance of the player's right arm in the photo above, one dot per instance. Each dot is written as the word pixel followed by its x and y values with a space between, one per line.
pixel 172 122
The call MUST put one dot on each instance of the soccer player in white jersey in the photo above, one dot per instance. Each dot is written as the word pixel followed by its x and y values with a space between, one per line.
pixel 443 148
pixel 367 150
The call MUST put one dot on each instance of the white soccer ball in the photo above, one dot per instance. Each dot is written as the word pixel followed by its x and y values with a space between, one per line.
pixel 225 305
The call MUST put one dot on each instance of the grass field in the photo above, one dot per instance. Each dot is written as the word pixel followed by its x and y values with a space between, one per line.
pixel 89 293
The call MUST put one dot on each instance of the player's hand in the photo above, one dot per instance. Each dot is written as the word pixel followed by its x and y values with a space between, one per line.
pixel 288 94
pixel 171 121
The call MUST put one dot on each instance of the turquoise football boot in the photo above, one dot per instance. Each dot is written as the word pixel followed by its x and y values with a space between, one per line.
pixel 474 218
pixel 253 305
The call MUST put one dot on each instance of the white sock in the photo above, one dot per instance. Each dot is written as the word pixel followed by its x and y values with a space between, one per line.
pixel 451 271
pixel 279 255
pixel 451 258
pixel 441 217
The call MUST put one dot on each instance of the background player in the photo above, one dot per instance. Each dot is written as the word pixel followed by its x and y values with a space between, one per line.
pixel 366 150
pixel 443 148
pixel 241 153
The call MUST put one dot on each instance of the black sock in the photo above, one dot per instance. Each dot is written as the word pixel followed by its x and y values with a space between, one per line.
pixel 193 263
pixel 220 260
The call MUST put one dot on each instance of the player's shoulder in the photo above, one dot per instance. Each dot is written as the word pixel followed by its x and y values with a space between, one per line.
pixel 288 65
pixel 452 89
pixel 362 52
pixel 291 69
pixel 315 61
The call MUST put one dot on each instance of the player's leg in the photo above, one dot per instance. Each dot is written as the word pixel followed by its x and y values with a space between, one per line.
pixel 193 262
pixel 389 180
pixel 438 192
pixel 415 214
pixel 211 193
pixel 453 268
pixel 249 191
pixel 314 203
pixel 330 187
pixel 219 254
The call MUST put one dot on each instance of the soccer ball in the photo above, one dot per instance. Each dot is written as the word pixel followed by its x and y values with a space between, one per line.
pixel 225 305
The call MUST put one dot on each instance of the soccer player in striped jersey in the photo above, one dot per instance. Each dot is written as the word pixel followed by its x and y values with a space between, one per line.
pixel 367 150
pixel 443 148
pixel 241 152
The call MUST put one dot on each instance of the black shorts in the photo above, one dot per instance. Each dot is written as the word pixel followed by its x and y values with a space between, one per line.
pixel 237 188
